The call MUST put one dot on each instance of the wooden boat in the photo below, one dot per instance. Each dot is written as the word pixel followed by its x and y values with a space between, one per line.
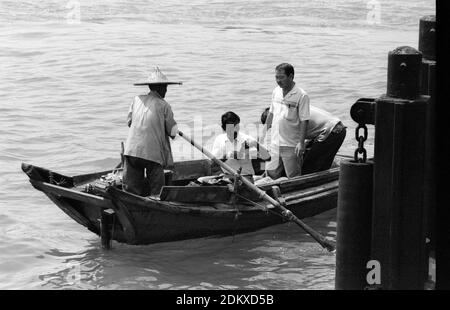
pixel 181 211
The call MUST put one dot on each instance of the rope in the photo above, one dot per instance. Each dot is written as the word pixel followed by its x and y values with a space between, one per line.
pixel 262 207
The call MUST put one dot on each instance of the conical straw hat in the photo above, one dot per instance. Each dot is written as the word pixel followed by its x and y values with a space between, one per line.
pixel 157 77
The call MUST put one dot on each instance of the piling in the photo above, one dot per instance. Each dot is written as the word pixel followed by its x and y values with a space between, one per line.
pixel 354 211
pixel 398 225
pixel 106 225
pixel 427 45
pixel 427 37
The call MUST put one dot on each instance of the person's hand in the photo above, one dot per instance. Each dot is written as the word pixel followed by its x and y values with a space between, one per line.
pixel 246 145
pixel 174 131
pixel 300 149
pixel 233 155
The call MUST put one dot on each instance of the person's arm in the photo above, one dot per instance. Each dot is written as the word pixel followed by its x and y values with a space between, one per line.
pixel 269 120
pixel 303 114
pixel 169 122
pixel 174 131
pixel 263 153
pixel 301 146
pixel 267 125
pixel 130 114
pixel 218 149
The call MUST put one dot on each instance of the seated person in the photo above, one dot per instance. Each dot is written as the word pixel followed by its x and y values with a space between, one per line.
pixel 235 148
pixel 325 134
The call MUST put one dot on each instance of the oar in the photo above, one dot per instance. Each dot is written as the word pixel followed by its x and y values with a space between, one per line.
pixel 262 194
pixel 122 157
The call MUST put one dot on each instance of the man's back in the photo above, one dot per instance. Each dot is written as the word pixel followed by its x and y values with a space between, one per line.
pixel 320 124
pixel 151 122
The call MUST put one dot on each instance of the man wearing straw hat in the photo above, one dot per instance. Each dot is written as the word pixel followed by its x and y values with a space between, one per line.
pixel 147 150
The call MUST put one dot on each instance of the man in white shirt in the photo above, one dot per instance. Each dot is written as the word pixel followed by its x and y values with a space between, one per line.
pixel 288 117
pixel 235 148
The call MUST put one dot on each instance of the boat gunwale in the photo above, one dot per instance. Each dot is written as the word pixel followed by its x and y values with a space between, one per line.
pixel 169 206
pixel 69 192
pixel 141 203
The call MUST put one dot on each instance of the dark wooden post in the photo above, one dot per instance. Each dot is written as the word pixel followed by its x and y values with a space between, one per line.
pixel 427 37
pixel 354 212
pixel 398 227
pixel 106 223
pixel 427 45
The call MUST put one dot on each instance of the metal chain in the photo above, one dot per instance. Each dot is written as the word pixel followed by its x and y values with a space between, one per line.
pixel 361 139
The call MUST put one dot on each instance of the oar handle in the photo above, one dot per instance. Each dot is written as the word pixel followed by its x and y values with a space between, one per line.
pixel 262 194
pixel 329 245
pixel 207 153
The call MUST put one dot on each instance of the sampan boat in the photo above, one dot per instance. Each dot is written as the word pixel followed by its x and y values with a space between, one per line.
pixel 182 211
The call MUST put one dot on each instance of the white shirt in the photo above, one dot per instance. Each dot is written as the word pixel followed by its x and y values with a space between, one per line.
pixel 224 148
pixel 151 125
pixel 288 111
pixel 320 124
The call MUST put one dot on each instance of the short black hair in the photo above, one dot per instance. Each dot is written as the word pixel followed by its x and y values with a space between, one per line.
pixel 264 116
pixel 230 118
pixel 288 68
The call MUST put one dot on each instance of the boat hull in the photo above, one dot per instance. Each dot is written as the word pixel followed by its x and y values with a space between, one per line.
pixel 144 220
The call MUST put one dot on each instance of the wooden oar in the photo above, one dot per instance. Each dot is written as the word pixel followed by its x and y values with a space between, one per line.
pixel 122 157
pixel 287 214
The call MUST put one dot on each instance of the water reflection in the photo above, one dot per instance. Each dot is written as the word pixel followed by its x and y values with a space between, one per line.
pixel 279 257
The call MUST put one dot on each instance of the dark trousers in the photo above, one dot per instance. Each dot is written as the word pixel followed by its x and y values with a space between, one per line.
pixel 320 156
pixel 142 177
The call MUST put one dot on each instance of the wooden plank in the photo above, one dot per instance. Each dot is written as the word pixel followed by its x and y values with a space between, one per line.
pixel 106 224
pixel 304 181
pixel 65 206
pixel 191 169
pixel 315 204
pixel 44 175
pixel 317 196
pixel 314 191
pixel 69 193
pixel 124 216
pixel 193 194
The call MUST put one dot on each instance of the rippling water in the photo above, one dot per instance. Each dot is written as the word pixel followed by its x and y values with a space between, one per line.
pixel 66 83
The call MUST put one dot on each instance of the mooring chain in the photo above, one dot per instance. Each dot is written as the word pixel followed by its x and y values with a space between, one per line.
pixel 361 139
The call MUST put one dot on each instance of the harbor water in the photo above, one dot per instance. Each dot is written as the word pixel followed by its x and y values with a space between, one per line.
pixel 67 70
